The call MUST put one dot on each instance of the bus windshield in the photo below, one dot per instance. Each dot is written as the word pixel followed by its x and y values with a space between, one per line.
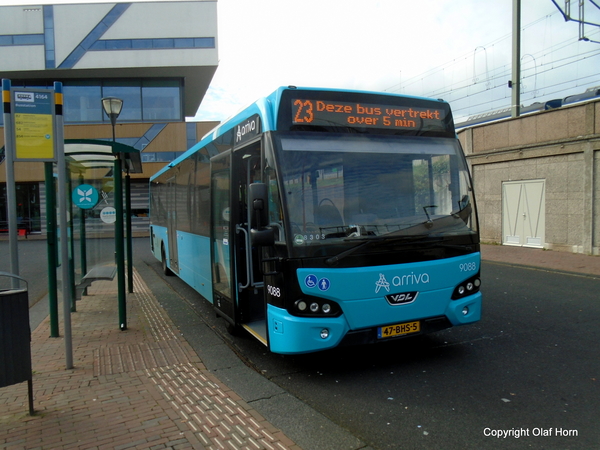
pixel 344 188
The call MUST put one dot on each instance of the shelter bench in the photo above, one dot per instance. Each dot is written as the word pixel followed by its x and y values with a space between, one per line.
pixel 96 273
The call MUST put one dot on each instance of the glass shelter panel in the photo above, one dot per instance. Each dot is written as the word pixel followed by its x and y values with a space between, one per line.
pixel 92 228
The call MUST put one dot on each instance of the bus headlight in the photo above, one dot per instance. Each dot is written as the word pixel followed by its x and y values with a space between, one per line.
pixel 301 305
pixel 315 307
pixel 467 287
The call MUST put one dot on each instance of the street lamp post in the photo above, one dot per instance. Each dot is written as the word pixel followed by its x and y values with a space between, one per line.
pixel 112 107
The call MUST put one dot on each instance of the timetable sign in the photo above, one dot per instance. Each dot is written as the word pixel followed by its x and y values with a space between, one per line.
pixel 33 117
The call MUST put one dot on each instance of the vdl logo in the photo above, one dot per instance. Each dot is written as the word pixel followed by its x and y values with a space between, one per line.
pixel 401 299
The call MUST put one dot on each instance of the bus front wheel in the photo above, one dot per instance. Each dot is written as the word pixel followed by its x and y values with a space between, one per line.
pixel 233 330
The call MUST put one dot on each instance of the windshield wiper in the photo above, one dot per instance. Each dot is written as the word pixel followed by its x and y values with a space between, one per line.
pixel 428 223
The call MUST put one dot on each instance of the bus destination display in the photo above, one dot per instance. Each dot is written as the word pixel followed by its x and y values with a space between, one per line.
pixel 354 114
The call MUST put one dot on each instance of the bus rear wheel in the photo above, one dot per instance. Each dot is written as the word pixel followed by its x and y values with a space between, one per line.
pixel 163 260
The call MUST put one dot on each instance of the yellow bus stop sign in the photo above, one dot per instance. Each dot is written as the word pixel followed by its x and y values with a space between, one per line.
pixel 34 124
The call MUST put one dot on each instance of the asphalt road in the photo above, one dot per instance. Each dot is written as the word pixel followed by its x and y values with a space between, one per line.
pixel 33 261
pixel 528 371
pixel 33 266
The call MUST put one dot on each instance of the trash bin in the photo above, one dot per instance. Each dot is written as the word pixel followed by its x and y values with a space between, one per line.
pixel 15 333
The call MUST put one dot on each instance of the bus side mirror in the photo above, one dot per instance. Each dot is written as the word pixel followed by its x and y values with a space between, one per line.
pixel 259 215
pixel 258 205
pixel 264 237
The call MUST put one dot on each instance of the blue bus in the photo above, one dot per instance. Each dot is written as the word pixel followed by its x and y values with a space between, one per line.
pixel 317 218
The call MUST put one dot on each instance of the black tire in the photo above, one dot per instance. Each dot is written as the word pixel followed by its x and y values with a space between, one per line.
pixel 163 260
pixel 232 329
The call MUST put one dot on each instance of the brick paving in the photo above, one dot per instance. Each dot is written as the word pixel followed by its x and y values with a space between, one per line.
pixel 143 388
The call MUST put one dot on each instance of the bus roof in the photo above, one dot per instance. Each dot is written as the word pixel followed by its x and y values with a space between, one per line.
pixel 266 109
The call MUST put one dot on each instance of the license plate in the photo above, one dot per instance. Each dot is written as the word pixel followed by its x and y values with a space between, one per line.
pixel 398 329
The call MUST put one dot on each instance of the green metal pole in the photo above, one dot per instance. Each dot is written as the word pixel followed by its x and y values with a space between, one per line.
pixel 71 241
pixel 119 250
pixel 82 238
pixel 129 237
pixel 51 245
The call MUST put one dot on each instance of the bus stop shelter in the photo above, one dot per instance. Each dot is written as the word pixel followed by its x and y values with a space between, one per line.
pixel 94 169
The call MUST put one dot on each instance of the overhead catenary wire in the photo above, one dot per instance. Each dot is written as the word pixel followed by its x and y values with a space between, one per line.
pixel 466 55
pixel 505 72
pixel 489 83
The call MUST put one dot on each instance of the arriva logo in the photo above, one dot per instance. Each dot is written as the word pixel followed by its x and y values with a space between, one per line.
pixel 404 280
pixel 243 130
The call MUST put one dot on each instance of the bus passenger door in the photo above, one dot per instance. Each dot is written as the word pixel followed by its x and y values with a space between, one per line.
pixel 172 224
pixel 221 239
pixel 250 287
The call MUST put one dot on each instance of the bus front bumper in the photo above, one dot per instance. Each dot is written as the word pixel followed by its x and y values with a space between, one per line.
pixel 292 335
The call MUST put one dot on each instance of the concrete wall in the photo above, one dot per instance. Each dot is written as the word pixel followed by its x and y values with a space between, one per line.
pixel 559 146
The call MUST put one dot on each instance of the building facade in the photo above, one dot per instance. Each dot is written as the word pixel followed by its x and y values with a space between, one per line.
pixel 537 178
pixel 158 57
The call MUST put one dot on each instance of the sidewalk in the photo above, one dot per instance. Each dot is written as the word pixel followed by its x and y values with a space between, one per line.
pixel 143 388
pixel 542 259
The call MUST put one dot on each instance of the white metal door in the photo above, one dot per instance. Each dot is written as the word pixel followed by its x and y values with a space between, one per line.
pixel 523 213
